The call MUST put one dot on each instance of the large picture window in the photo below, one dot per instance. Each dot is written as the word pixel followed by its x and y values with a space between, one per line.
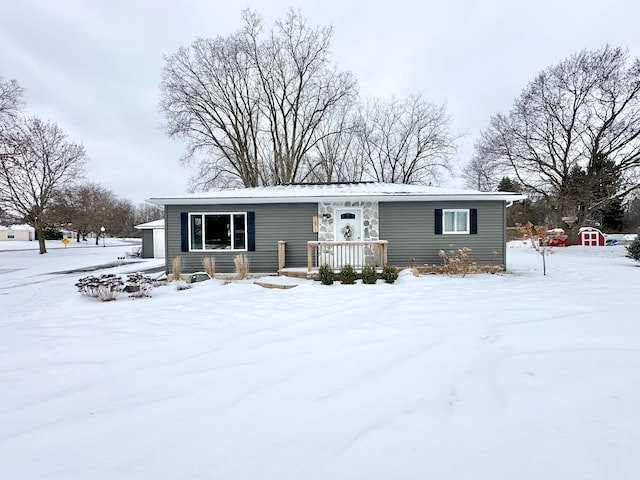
pixel 218 231
pixel 455 221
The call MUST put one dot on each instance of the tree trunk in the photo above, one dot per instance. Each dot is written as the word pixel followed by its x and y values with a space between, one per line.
pixel 41 240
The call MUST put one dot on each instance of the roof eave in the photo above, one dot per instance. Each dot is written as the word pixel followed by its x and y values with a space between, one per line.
pixel 162 201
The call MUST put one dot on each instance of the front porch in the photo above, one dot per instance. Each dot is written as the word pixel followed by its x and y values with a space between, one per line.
pixel 335 254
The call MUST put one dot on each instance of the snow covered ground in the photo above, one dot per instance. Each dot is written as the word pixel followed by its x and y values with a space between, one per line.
pixel 511 376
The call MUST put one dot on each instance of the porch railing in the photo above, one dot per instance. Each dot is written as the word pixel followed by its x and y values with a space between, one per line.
pixel 339 254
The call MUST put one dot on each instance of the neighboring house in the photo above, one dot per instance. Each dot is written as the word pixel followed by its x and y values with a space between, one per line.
pixel 305 225
pixel 153 243
pixel 23 233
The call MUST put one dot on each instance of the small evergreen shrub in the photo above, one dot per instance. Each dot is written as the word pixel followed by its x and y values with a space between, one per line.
pixel 327 276
pixel 369 275
pixel 105 288
pixel 348 275
pixel 389 273
pixel 633 250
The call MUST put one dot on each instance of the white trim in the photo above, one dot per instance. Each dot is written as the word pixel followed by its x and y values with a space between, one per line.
pixel 467 211
pixel 357 192
pixel 218 250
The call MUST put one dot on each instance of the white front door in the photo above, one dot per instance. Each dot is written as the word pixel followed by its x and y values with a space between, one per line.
pixel 348 225
pixel 348 229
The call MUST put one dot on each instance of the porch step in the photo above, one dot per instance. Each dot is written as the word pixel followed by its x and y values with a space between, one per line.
pixel 297 273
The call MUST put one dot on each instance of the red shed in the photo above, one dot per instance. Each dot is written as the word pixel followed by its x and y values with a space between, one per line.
pixel 591 237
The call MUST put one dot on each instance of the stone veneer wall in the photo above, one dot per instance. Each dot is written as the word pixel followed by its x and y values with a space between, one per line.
pixel 326 230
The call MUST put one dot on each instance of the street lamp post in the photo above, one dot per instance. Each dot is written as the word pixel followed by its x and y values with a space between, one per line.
pixel 102 230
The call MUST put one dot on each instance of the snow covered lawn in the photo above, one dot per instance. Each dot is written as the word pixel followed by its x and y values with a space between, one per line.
pixel 512 376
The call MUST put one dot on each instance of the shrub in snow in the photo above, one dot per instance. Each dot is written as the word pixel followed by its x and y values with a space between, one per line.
pixel 633 250
pixel 389 273
pixel 539 240
pixel 181 285
pixel 348 275
pixel 457 261
pixel 176 269
pixel 327 276
pixel 105 288
pixel 242 267
pixel 369 274
pixel 209 266
pixel 138 285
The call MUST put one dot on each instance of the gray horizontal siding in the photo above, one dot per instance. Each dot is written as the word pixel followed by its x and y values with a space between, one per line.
pixel 409 229
pixel 274 222
pixel 147 243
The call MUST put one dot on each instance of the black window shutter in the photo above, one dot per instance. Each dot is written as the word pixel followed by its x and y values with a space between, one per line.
pixel 437 227
pixel 473 221
pixel 184 236
pixel 251 231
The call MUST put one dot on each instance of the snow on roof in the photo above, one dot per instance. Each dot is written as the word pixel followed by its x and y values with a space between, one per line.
pixel 18 227
pixel 314 192
pixel 151 225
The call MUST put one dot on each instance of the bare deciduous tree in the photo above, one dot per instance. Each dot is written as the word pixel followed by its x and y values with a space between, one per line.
pixel 570 118
pixel 84 208
pixel 336 156
pixel 483 173
pixel 406 141
pixel 249 105
pixel 36 158
pixel 10 100
pixel 145 212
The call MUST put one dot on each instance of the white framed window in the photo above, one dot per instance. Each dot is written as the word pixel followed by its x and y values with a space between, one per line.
pixel 218 231
pixel 11 235
pixel 455 221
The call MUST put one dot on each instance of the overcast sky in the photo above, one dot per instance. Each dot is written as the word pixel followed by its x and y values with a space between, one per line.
pixel 94 66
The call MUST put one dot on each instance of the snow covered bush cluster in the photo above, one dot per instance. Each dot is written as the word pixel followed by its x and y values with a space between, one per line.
pixel 107 287
pixel 104 288
pixel 138 285
pixel 348 274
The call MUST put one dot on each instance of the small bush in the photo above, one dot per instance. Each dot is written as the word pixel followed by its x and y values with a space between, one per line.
pixel 242 267
pixel 105 288
pixel 209 266
pixel 633 250
pixel 138 285
pixel 348 275
pixel 369 275
pixel 458 261
pixel 327 276
pixel 181 285
pixel 389 273
pixel 176 269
